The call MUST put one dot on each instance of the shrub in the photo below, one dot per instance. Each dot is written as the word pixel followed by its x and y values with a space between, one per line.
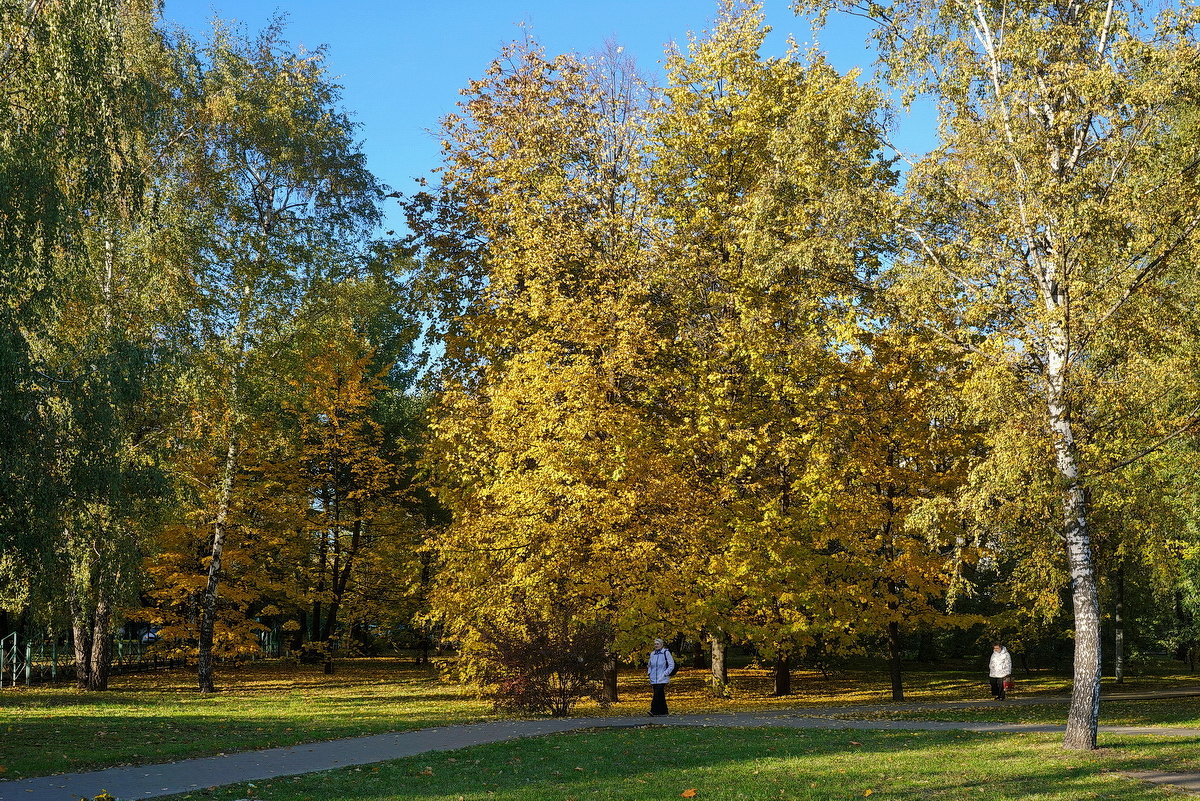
pixel 535 667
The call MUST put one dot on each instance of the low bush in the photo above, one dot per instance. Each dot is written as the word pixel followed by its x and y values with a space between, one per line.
pixel 542 669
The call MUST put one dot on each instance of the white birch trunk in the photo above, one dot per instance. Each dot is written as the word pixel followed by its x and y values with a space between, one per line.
pixel 208 604
pixel 1084 715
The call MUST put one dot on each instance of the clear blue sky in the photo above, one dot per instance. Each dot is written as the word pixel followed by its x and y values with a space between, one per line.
pixel 402 62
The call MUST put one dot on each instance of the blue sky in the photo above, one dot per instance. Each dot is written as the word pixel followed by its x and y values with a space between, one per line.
pixel 402 62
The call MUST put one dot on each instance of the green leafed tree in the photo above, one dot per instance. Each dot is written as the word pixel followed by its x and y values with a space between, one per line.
pixel 83 85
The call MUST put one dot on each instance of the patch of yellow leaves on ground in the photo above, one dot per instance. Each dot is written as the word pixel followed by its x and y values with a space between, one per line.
pixel 752 689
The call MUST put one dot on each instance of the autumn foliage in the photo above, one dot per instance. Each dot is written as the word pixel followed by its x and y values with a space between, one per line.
pixel 709 360
pixel 661 409
pixel 710 370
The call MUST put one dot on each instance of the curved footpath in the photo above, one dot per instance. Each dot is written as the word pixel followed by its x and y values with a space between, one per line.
pixel 148 781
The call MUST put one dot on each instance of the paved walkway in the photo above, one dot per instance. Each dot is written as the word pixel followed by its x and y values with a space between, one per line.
pixel 148 781
pixel 1184 781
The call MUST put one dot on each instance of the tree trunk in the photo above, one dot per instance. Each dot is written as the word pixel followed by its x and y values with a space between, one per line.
pixel 81 635
pixel 208 606
pixel 101 657
pixel 93 646
pixel 315 618
pixel 894 666
pixel 91 613
pixel 1084 715
pixel 330 622
pixel 720 671
pixel 608 690
pixel 423 650
pixel 783 675
pixel 316 635
pixel 343 564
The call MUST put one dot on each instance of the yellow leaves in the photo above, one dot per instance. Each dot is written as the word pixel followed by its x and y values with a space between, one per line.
pixel 868 792
pixel 731 428
pixel 689 793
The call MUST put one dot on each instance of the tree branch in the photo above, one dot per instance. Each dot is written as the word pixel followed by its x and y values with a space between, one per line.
pixel 1191 424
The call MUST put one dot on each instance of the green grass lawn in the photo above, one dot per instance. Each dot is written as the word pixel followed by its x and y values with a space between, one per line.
pixel 160 717
pixel 745 765
pixel 1182 712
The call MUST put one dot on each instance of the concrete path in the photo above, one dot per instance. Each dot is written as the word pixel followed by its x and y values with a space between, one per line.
pixel 1184 781
pixel 148 781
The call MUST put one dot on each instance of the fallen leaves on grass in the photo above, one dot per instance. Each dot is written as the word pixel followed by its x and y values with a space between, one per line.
pixel 688 793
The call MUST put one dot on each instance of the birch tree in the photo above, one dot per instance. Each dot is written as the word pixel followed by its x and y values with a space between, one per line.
pixel 279 200
pixel 84 82
pixel 1049 224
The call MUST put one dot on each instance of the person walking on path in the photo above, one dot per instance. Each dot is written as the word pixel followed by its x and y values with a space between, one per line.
pixel 999 669
pixel 660 668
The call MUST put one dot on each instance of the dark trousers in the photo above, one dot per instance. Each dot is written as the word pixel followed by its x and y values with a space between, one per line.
pixel 658 702
pixel 997 688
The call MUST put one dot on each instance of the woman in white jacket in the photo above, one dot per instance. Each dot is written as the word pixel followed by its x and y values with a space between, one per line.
pixel 999 669
pixel 659 669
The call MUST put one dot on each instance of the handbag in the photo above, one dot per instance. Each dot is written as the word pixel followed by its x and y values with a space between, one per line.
pixel 1009 684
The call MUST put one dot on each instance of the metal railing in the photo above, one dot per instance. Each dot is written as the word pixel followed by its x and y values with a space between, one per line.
pixel 28 662
pixel 16 662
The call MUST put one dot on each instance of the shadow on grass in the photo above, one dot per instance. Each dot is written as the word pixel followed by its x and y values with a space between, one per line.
pixel 738 764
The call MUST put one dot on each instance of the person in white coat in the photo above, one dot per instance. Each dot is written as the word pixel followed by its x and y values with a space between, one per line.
pixel 999 669
pixel 659 669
